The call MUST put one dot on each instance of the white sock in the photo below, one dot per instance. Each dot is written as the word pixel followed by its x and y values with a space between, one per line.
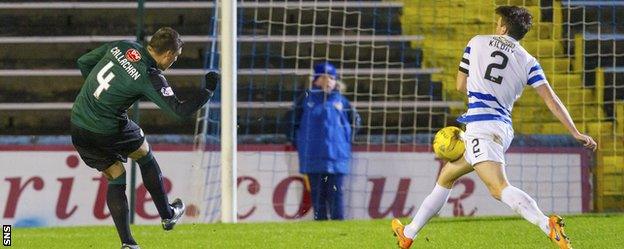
pixel 524 205
pixel 430 207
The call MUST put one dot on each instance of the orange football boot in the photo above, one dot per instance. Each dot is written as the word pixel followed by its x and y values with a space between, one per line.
pixel 403 241
pixel 557 235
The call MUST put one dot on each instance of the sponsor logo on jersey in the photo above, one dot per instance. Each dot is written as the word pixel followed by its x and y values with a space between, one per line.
pixel 166 91
pixel 125 62
pixel 132 55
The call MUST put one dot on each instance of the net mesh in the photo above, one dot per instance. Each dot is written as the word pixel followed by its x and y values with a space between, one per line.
pixel 398 60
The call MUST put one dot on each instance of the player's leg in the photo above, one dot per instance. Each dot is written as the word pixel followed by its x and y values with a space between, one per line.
pixel 152 180
pixel 493 175
pixel 319 205
pixel 432 203
pixel 488 143
pixel 95 156
pixel 117 201
pixel 335 196
pixel 438 197
pixel 114 171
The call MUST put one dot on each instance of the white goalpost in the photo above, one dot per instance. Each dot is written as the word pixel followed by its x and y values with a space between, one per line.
pixel 228 111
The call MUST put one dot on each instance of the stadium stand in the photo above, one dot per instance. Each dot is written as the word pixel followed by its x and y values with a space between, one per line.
pixel 42 42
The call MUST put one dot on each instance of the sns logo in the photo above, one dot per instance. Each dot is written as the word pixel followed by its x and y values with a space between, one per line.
pixel 6 235
pixel 132 55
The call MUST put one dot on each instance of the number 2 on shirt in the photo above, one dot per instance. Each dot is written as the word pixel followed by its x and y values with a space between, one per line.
pixel 502 65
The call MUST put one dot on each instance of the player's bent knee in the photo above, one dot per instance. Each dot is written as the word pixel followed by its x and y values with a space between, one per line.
pixel 445 180
pixel 492 174
pixel 496 190
pixel 120 180
pixel 496 194
pixel 141 151
pixel 114 171
pixel 145 160
pixel 446 184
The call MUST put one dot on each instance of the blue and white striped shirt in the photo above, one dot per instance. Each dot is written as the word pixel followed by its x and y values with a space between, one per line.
pixel 498 69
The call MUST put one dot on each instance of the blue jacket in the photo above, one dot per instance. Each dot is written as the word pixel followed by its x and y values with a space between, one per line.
pixel 323 132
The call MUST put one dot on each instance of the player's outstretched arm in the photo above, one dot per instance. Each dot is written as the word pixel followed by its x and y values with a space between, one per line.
pixel 162 95
pixel 460 85
pixel 561 112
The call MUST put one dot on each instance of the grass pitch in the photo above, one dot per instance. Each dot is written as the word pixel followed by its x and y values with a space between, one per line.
pixel 586 231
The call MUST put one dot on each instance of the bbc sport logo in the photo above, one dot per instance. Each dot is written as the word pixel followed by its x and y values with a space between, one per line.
pixel 6 235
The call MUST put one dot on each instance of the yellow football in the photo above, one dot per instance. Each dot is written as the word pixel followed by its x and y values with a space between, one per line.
pixel 448 144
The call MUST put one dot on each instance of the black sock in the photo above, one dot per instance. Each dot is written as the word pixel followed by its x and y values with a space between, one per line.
pixel 152 179
pixel 118 207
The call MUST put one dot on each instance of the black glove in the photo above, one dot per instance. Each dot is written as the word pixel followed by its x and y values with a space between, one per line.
pixel 212 80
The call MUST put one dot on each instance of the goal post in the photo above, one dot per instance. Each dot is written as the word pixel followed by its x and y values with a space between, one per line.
pixel 228 58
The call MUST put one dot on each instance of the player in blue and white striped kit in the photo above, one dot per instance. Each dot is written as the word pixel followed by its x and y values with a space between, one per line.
pixel 493 72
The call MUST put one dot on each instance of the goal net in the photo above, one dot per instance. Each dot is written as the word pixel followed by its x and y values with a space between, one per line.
pixel 398 60
pixel 594 33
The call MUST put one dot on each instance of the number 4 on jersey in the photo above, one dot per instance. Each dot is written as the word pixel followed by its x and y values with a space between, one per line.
pixel 103 81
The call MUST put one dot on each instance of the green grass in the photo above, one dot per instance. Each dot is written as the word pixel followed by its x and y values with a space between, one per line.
pixel 586 231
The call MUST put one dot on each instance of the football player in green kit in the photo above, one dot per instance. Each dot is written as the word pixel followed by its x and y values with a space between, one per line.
pixel 118 74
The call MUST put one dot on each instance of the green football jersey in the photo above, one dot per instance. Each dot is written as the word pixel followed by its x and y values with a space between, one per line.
pixel 116 75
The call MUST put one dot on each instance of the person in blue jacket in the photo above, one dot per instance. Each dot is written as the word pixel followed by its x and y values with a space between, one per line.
pixel 324 123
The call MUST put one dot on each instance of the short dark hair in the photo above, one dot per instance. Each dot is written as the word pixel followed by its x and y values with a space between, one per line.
pixel 518 20
pixel 165 39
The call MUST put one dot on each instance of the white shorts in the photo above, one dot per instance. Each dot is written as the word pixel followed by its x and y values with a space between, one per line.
pixel 487 141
